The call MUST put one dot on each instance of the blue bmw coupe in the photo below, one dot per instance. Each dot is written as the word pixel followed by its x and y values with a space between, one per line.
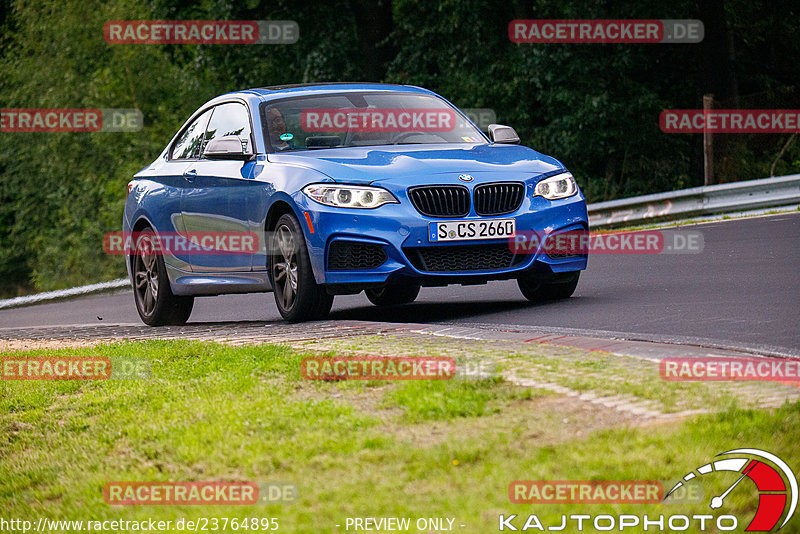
pixel 342 188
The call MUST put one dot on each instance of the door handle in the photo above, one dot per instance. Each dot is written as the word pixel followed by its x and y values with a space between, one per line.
pixel 190 175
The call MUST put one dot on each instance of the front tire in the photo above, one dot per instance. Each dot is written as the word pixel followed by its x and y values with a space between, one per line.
pixel 392 295
pixel 297 295
pixel 562 286
pixel 155 302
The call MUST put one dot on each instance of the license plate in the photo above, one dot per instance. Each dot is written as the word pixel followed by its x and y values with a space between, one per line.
pixel 471 230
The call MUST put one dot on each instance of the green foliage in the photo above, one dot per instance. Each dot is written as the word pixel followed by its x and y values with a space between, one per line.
pixel 61 192
pixel 595 107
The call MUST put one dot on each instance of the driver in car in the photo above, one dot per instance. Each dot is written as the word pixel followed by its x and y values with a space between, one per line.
pixel 276 126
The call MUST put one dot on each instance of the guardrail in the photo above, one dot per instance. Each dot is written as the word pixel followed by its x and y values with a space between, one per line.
pixel 61 294
pixel 738 196
pixel 707 200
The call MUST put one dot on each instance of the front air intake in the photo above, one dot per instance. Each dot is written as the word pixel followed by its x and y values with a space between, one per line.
pixel 353 256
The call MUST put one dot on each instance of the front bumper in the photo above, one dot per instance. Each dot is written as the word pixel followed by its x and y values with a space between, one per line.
pixel 402 233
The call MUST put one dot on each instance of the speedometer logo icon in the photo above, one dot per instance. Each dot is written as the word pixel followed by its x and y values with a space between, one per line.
pixel 777 486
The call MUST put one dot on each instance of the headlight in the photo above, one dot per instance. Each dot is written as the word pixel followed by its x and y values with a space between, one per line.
pixel 349 196
pixel 561 186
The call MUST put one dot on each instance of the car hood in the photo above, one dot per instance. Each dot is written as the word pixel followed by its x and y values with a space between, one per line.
pixel 376 163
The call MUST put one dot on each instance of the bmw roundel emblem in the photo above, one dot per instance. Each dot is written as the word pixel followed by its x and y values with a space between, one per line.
pixel 465 177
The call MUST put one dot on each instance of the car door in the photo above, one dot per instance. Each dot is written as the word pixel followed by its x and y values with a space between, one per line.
pixel 183 154
pixel 218 195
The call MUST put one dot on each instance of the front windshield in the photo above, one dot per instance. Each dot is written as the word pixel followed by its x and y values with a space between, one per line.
pixel 364 119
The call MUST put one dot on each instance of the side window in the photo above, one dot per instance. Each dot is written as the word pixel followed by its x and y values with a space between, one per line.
pixel 230 119
pixel 190 142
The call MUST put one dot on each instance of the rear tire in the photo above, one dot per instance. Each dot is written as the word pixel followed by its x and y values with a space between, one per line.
pixel 298 296
pixel 562 286
pixel 155 302
pixel 393 295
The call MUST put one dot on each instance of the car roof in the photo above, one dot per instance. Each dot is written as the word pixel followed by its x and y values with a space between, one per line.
pixel 318 84
pixel 307 89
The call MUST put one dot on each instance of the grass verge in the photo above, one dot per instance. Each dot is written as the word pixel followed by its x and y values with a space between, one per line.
pixel 418 449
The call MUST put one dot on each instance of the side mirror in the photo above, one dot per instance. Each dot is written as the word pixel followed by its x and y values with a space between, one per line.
pixel 503 134
pixel 228 147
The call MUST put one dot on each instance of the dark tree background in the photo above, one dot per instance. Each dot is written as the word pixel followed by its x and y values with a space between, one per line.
pixel 594 106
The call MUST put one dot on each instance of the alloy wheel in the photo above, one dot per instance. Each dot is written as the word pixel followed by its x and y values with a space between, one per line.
pixel 145 275
pixel 284 269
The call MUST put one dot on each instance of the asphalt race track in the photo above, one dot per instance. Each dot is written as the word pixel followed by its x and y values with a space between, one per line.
pixel 742 291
